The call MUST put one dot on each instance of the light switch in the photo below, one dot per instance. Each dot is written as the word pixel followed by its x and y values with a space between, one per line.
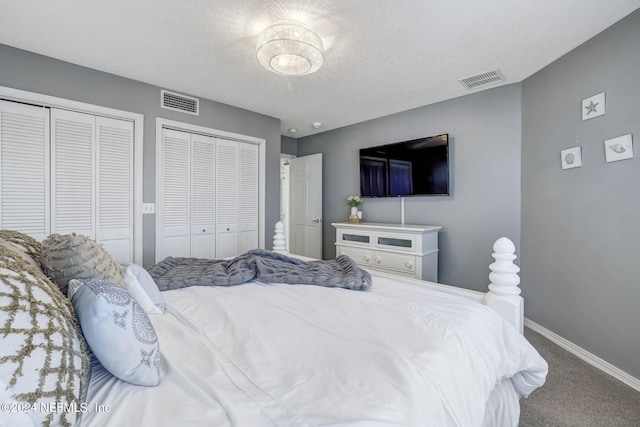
pixel 148 208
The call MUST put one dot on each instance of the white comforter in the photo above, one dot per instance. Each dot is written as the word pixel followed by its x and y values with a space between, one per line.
pixel 296 355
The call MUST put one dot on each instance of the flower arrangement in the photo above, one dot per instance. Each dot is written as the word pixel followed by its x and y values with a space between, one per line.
pixel 354 201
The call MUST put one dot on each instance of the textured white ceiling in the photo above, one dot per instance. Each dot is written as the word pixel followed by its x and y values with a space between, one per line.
pixel 382 56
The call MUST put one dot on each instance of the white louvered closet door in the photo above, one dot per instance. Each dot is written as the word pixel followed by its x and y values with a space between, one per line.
pixel 203 196
pixel 207 196
pixel 72 173
pixel 175 192
pixel 248 197
pixel 227 186
pixel 67 172
pixel 115 187
pixel 24 169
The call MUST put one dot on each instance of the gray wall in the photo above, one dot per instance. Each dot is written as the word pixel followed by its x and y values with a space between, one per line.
pixel 581 227
pixel 484 130
pixel 35 73
pixel 289 145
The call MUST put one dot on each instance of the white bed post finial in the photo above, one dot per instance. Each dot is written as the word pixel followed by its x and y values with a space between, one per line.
pixel 279 239
pixel 504 293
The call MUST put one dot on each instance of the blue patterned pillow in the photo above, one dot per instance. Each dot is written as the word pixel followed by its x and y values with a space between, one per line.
pixel 117 330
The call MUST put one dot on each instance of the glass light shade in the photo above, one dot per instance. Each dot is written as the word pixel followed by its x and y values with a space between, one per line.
pixel 290 48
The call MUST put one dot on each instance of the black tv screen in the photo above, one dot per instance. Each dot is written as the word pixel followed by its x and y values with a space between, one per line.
pixel 409 168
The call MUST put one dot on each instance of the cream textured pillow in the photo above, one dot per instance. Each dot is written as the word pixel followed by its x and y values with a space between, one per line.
pixel 25 242
pixel 75 256
pixel 43 356
pixel 20 252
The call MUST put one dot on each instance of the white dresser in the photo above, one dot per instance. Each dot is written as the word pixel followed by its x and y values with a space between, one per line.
pixel 408 250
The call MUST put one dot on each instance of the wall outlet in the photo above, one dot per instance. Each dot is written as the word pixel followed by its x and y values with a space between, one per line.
pixel 148 208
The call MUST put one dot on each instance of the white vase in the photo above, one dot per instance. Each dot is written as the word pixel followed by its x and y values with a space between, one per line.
pixel 353 218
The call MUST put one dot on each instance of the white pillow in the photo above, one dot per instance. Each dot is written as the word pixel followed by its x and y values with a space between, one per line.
pixel 143 288
pixel 13 417
pixel 137 293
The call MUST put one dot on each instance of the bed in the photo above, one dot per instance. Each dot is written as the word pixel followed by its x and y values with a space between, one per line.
pixel 400 353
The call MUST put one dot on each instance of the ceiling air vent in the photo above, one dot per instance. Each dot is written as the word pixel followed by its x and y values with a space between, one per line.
pixel 176 102
pixel 482 79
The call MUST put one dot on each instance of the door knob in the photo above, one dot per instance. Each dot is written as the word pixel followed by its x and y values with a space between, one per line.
pixel 317 220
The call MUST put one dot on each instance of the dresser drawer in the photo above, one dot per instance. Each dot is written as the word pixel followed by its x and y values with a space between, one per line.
pixel 400 262
pixel 361 256
pixel 352 237
pixel 395 241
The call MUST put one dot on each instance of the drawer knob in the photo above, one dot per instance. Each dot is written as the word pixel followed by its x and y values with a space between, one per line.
pixel 366 258
pixel 378 260
pixel 408 264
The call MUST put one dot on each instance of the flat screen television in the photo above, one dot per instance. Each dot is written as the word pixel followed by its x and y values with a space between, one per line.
pixel 418 167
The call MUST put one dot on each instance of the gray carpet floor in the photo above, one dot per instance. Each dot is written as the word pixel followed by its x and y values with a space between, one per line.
pixel 577 394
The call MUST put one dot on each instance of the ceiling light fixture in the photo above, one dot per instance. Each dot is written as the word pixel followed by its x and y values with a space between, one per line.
pixel 290 48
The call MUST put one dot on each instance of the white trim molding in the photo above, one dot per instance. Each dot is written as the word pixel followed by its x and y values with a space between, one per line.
pixel 583 354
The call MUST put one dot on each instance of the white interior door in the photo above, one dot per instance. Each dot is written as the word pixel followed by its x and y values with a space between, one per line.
pixel 202 196
pixel 115 187
pixel 83 173
pixel 306 205
pixel 227 187
pixel 175 194
pixel 24 169
pixel 248 197
pixel 73 196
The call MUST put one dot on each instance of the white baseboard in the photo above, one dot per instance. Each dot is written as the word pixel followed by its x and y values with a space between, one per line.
pixel 583 354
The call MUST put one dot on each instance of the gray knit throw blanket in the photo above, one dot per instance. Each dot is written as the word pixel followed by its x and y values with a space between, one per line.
pixel 266 266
